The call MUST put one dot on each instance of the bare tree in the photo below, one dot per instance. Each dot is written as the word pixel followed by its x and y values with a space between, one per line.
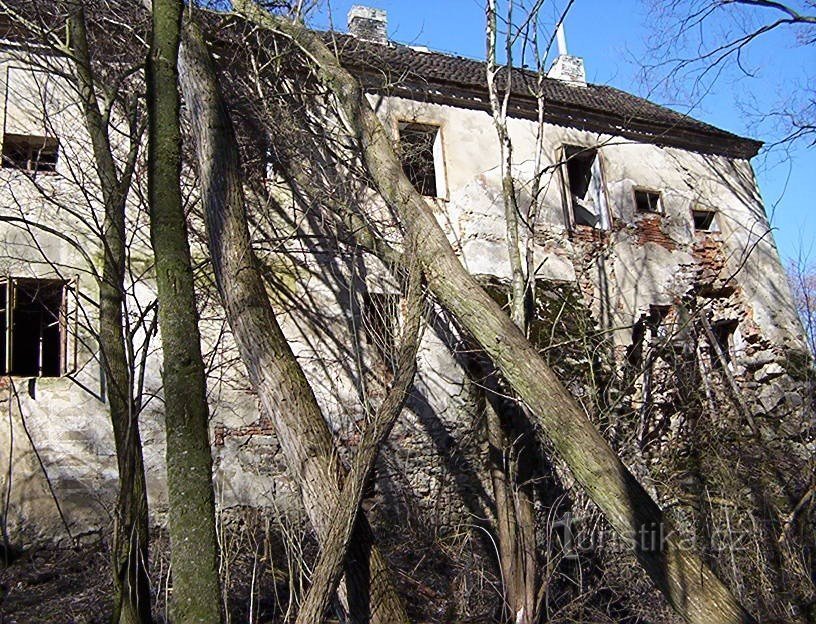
pixel 515 517
pixel 335 547
pixel 283 389
pixel 693 43
pixel 132 599
pixel 104 80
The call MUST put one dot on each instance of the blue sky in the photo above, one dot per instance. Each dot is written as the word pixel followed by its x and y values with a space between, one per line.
pixel 612 38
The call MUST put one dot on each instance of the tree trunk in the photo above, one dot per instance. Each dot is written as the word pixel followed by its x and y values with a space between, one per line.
pixel 193 541
pixel 130 540
pixel 282 387
pixel 690 587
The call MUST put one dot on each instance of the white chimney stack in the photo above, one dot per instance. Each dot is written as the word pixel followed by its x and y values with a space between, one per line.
pixel 368 23
pixel 562 39
pixel 569 69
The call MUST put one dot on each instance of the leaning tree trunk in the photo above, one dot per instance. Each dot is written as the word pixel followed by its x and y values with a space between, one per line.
pixel 692 589
pixel 282 387
pixel 130 541
pixel 193 541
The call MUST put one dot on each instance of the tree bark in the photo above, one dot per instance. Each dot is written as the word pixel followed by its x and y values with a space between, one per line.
pixel 692 589
pixel 282 387
pixel 193 541
pixel 130 540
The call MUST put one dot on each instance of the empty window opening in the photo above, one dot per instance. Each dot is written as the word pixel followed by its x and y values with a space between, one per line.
pixel 660 324
pixel 33 340
pixel 723 332
pixel 703 220
pixel 647 201
pixel 30 153
pixel 418 147
pixel 587 201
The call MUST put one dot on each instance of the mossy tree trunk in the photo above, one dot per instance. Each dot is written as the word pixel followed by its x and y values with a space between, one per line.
pixel 130 541
pixel 193 541
pixel 276 375
pixel 692 588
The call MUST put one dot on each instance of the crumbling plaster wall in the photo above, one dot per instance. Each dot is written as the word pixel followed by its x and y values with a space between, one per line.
pixel 57 460
pixel 56 443
pixel 647 259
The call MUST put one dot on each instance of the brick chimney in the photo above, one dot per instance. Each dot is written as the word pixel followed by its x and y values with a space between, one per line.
pixel 368 23
pixel 567 68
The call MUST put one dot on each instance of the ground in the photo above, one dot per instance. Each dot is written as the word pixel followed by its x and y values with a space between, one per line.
pixel 56 586
pixel 53 585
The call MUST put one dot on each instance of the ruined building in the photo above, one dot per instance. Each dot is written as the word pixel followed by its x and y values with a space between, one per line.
pixel 659 288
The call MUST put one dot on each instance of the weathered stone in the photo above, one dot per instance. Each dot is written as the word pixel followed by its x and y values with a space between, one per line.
pixel 794 399
pixel 768 372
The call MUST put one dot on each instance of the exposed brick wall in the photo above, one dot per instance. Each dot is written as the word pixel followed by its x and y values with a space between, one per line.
pixel 708 251
pixel 261 427
pixel 588 234
pixel 649 229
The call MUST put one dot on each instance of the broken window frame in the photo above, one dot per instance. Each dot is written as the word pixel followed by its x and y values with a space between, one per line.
pixel 566 152
pixel 711 215
pixel 436 162
pixel 66 317
pixel 34 148
pixel 648 193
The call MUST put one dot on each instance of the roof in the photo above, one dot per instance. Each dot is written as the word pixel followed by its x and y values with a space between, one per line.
pixel 425 75
pixel 430 76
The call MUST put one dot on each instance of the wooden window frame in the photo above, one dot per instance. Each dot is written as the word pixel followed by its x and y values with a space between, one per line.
pixel 34 147
pixel 659 209
pixel 713 225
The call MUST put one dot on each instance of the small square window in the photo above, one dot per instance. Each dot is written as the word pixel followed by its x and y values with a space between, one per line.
pixel 647 201
pixel 703 220
pixel 418 144
pixel 30 153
